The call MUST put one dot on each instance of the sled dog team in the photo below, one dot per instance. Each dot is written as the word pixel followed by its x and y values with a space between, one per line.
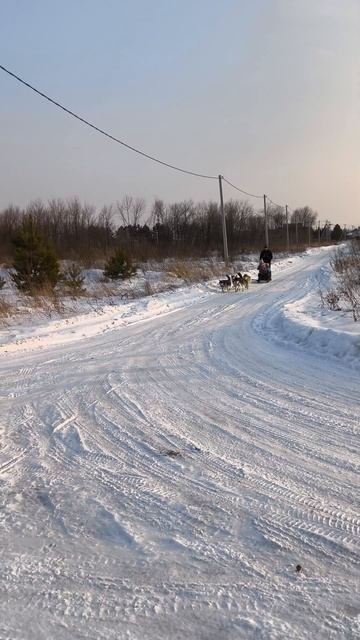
pixel 241 281
pixel 238 282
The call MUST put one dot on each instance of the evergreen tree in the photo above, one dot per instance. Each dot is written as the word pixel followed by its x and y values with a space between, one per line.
pixel 119 266
pixel 74 280
pixel 336 233
pixel 35 262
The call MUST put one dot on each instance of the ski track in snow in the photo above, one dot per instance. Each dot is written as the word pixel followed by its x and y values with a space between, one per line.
pixel 164 479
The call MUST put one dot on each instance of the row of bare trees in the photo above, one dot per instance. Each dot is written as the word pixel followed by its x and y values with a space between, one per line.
pixel 181 229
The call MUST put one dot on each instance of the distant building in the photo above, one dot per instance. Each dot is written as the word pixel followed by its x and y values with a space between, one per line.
pixel 355 233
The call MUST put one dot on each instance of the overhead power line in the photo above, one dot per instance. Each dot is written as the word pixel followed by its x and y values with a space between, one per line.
pixel 275 203
pixel 128 146
pixel 108 135
pixel 252 195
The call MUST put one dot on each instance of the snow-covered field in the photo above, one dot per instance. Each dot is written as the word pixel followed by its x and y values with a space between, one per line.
pixel 166 463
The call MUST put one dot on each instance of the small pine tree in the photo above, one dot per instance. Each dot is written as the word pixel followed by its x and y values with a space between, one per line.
pixel 74 280
pixel 35 262
pixel 119 266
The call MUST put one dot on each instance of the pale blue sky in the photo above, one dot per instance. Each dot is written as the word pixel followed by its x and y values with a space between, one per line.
pixel 266 92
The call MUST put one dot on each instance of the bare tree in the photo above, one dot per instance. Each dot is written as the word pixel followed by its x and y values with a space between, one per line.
pixel 157 215
pixel 276 217
pixel 246 211
pixel 304 216
pixel 10 220
pixel 130 210
pixel 105 221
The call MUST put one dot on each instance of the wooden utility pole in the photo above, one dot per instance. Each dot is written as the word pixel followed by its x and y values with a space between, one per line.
pixel 226 252
pixel 287 229
pixel 266 223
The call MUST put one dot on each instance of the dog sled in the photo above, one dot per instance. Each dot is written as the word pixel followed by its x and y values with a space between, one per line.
pixel 236 282
pixel 264 272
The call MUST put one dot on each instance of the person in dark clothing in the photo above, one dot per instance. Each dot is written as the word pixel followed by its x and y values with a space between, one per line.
pixel 266 255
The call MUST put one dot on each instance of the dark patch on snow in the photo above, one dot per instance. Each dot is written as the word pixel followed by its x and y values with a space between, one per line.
pixel 171 453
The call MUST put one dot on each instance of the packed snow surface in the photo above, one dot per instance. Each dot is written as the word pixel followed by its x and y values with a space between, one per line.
pixel 166 463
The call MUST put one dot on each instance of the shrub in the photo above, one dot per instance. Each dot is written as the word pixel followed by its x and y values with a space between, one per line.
pixel 330 300
pixel 46 300
pixel 119 266
pixel 35 262
pixel 5 309
pixel 74 280
pixel 192 272
pixel 346 266
pixel 148 288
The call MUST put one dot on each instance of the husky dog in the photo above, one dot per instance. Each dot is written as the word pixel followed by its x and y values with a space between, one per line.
pixel 238 282
pixel 241 281
pixel 226 283
pixel 246 280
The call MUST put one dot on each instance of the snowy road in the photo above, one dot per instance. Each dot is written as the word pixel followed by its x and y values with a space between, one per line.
pixel 163 479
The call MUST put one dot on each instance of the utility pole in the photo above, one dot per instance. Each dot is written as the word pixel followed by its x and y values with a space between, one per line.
pixel 319 222
pixel 266 223
pixel 309 233
pixel 327 230
pixel 226 253
pixel 296 231
pixel 287 229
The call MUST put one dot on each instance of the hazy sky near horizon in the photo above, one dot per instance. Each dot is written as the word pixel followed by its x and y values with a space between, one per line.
pixel 265 92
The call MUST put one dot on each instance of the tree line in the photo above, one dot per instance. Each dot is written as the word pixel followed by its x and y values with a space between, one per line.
pixel 184 229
